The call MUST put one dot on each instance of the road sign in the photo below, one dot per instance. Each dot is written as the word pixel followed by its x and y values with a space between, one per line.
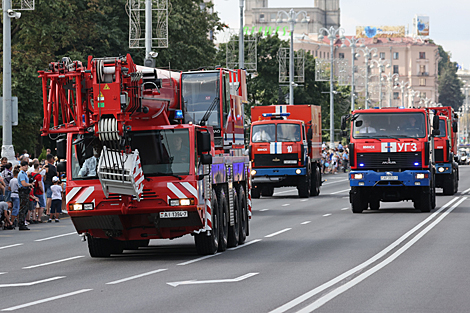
pixel 14 111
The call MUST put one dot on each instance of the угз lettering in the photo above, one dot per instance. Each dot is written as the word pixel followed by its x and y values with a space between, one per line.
pixel 267 30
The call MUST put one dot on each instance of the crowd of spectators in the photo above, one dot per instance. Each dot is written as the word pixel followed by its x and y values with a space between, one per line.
pixel 334 160
pixel 31 192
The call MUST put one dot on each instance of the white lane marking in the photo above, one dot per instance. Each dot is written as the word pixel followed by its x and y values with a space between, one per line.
pixel 321 301
pixel 215 281
pixel 289 305
pixel 290 190
pixel 54 262
pixel 464 192
pixel 3 273
pixel 327 214
pixel 31 283
pixel 286 204
pixel 277 233
pixel 343 209
pixel 46 300
pixel 245 244
pixel 333 193
pixel 303 200
pixel 199 259
pixel 334 182
pixel 306 222
pixel 136 276
pixel 264 210
pixel 53 237
pixel 11 246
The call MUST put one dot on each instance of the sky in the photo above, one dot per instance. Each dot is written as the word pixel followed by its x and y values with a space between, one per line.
pixel 449 21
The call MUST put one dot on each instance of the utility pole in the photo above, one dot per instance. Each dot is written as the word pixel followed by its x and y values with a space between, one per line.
pixel 241 44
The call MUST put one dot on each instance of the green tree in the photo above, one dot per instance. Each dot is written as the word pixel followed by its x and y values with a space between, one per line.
pixel 449 84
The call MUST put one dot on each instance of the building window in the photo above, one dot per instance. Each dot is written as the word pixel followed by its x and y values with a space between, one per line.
pixel 422 68
pixel 422 55
pixel 341 55
pixel 395 55
pixel 328 55
pixel 382 55
pixel 422 95
pixel 316 53
pixel 261 18
pixel 395 95
pixel 395 69
pixel 422 81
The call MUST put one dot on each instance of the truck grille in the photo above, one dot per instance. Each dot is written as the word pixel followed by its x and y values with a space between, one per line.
pixel 405 160
pixel 439 153
pixel 275 159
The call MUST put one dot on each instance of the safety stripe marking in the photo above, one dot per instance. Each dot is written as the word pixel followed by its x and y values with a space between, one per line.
pixel 72 193
pixel 190 188
pixel 86 194
pixel 175 190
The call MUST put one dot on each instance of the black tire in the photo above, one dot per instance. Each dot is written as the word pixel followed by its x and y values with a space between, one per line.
pixel 209 244
pixel 98 248
pixel 315 182
pixel 255 194
pixel 374 205
pixel 267 191
pixel 304 187
pixel 449 185
pixel 357 203
pixel 243 209
pixel 234 230
pixel 223 219
pixel 425 201
pixel 433 194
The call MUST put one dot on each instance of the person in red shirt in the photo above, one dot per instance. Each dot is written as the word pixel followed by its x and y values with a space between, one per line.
pixel 38 191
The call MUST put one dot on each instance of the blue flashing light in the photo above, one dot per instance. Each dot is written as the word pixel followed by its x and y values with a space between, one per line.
pixel 361 165
pixel 376 108
pixel 178 114
pixel 416 163
pixel 401 107
pixel 275 114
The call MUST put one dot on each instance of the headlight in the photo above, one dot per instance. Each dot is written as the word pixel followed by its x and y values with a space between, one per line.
pixel 253 172
pixel 298 171
pixel 75 206
pixel 441 169
pixel 178 202
pixel 357 176
pixel 421 176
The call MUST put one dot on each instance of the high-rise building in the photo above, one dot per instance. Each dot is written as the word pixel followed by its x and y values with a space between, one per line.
pixel 324 13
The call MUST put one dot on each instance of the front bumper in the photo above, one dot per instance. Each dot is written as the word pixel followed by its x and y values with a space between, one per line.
pixel 377 179
pixel 271 175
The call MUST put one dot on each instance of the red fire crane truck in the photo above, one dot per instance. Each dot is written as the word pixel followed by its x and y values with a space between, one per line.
pixel 150 154
pixel 285 149
pixel 391 157
pixel 445 148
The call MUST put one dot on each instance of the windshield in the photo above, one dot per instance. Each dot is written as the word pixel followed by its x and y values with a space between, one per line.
pixel 442 128
pixel 271 132
pixel 200 91
pixel 163 151
pixel 85 155
pixel 389 125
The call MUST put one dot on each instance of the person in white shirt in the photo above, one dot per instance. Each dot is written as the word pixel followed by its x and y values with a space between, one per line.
pixel 56 204
pixel 367 129
pixel 261 136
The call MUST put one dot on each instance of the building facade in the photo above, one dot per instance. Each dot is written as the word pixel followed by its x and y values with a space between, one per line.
pixel 415 62
pixel 324 13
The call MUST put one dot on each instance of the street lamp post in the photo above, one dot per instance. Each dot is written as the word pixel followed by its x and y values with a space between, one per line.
pixel 241 45
pixel 291 18
pixel 390 78
pixel 331 34
pixel 381 64
pixel 367 52
pixel 353 44
pixel 403 86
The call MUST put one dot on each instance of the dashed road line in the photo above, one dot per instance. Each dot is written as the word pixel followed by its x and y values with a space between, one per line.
pixel 53 237
pixel 136 276
pixel 13 308
pixel 54 262
pixel 343 209
pixel 306 222
pixel 31 283
pixel 263 210
pixel 11 246
pixel 277 233
pixel 245 244
pixel 286 204
pixel 199 259
pixel 327 214
pixel 333 193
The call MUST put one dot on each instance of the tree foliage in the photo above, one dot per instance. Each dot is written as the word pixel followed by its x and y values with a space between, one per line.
pixel 449 84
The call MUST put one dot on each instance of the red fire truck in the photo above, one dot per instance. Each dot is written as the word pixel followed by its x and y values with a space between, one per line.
pixel 285 149
pixel 445 148
pixel 150 153
pixel 391 157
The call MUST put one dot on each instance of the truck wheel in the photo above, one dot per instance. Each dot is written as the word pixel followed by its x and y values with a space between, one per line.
pixel 209 244
pixel 255 193
pixel 98 247
pixel 374 205
pixel 456 182
pixel 223 219
pixel 243 210
pixel 304 187
pixel 425 203
pixel 267 191
pixel 234 230
pixel 315 182
pixel 449 185
pixel 357 204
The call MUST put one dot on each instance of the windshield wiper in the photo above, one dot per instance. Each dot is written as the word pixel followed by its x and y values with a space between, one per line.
pixel 388 136
pixel 366 137
pixel 209 112
pixel 169 174
pixel 409 137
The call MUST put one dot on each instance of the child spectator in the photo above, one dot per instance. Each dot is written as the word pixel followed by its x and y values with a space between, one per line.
pixel 5 215
pixel 56 203
pixel 15 198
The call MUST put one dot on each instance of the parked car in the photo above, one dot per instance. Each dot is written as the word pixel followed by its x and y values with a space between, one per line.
pixel 463 158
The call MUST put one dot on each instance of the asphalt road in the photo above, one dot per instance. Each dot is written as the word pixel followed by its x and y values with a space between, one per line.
pixel 302 255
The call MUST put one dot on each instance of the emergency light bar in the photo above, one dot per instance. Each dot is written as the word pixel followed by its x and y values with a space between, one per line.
pixel 275 114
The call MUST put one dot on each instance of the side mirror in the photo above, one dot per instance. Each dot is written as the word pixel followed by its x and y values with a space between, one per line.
pixel 203 142
pixel 455 127
pixel 62 166
pixel 206 159
pixel 61 148
pixel 436 132
pixel 435 122
pixel 343 122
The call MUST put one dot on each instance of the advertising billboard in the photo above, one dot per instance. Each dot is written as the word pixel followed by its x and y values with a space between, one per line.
pixel 421 25
pixel 380 31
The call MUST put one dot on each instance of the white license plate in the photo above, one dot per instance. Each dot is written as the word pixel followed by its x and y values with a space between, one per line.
pixel 174 214
pixel 388 177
